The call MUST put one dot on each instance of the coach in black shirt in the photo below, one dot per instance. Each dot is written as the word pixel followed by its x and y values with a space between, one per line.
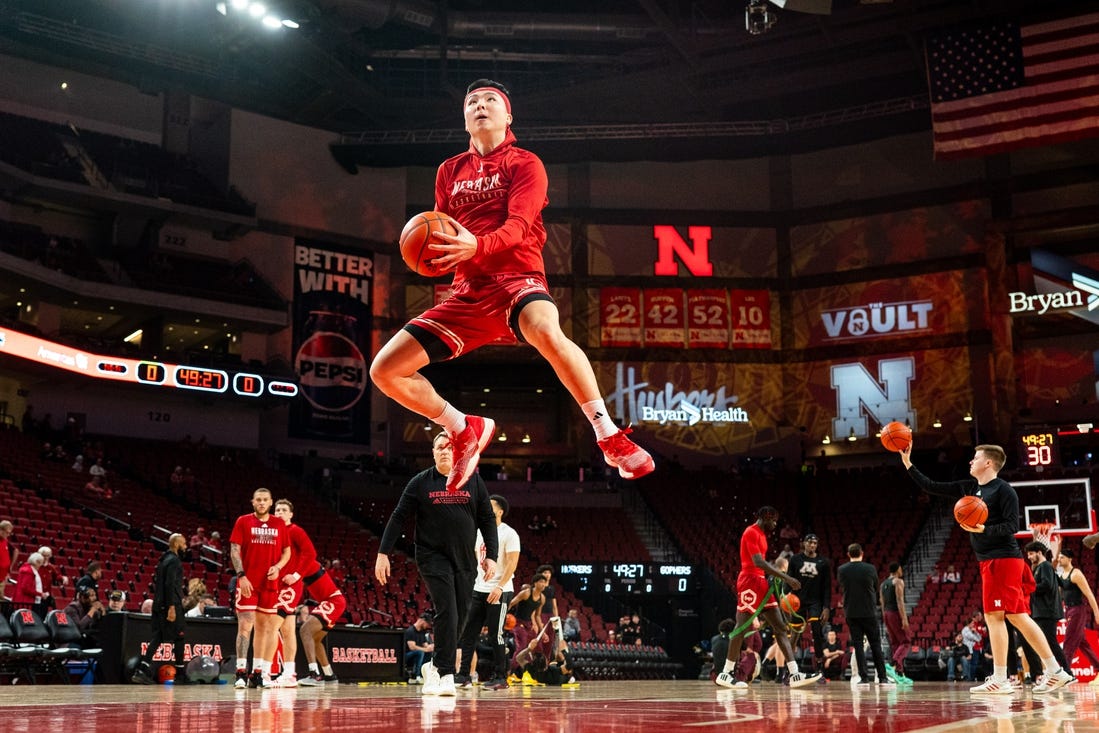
pixel 859 581
pixel 446 531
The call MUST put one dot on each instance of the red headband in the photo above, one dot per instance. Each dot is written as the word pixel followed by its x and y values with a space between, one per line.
pixel 494 90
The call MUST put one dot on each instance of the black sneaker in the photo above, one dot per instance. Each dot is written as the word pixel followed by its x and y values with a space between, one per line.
pixel 141 677
pixel 463 681
pixel 242 680
pixel 497 683
pixel 255 680
pixel 329 678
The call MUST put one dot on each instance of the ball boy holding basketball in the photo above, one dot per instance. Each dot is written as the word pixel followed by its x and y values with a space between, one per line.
pixel 1006 581
pixel 495 191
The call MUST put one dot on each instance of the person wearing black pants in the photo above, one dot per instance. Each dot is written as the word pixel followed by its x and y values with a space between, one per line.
pixel 168 613
pixel 814 572
pixel 1045 605
pixel 490 601
pixel 447 522
pixel 859 581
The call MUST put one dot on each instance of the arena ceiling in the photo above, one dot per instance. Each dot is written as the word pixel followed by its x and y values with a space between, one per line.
pixel 614 80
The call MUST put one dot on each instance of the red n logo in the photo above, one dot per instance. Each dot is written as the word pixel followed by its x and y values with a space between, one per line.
pixel 695 257
pixel 62 619
pixel 26 616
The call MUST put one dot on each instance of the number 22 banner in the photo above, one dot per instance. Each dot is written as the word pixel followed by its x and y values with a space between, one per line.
pixel 620 317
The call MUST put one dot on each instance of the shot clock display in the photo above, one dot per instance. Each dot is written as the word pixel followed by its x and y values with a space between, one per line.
pixel 616 578
pixel 1038 448
pixel 121 369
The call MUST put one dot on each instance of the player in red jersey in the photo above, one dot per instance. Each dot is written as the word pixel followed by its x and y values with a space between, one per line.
pixel 751 587
pixel 259 549
pixel 303 561
pixel 496 192
pixel 331 604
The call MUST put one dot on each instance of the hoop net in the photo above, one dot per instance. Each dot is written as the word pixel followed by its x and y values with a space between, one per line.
pixel 1044 532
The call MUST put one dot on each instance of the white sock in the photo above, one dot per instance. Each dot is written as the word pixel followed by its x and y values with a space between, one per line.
pixel 730 666
pixel 596 412
pixel 327 669
pixel 260 665
pixel 793 667
pixel 999 673
pixel 314 668
pixel 242 665
pixel 289 669
pixel 1051 665
pixel 451 420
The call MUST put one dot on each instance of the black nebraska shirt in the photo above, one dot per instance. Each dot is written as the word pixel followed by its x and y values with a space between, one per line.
pixel 998 539
pixel 446 522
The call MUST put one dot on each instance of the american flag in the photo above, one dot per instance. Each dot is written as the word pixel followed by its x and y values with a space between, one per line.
pixel 1000 87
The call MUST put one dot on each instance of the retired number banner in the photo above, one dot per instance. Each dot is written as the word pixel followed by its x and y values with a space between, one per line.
pixel 751 312
pixel 708 324
pixel 620 317
pixel 663 317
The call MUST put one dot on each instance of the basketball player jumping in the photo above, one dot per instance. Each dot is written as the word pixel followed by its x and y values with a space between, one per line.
pixel 751 588
pixel 496 192
pixel 1006 581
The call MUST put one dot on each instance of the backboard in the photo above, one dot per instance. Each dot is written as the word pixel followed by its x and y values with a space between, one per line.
pixel 1064 502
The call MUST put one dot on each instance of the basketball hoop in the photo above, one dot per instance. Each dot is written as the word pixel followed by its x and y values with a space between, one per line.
pixel 1044 532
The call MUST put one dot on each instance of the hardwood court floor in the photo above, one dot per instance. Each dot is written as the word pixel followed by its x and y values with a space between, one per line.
pixel 645 707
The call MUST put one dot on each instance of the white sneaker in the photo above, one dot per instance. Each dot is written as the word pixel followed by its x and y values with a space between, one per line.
pixel 430 688
pixel 287 680
pixel 725 679
pixel 1051 682
pixel 446 686
pixel 802 680
pixel 994 686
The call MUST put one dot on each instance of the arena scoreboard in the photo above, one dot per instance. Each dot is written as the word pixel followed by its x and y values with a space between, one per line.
pixel 628 578
pixel 137 371
pixel 1038 448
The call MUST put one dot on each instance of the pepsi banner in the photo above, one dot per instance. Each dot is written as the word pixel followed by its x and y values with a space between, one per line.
pixel 333 290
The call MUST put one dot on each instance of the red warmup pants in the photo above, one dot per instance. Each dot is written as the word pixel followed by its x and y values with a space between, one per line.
pixel 1076 620
pixel 898 638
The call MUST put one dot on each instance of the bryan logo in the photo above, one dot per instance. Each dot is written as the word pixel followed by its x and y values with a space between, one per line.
pixel 692 415
pixel 875 319
pixel 332 371
pixel 1061 285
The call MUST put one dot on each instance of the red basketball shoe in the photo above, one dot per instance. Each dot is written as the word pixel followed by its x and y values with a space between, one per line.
pixel 631 460
pixel 467 446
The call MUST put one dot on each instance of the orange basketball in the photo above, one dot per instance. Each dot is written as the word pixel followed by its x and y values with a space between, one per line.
pixel 896 436
pixel 165 673
pixel 971 511
pixel 416 237
pixel 790 603
pixel 509 622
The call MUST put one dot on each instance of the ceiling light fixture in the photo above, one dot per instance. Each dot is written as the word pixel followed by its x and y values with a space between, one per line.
pixel 758 18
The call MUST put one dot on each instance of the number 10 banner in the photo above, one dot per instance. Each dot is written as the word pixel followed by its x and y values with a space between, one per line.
pixel 751 312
